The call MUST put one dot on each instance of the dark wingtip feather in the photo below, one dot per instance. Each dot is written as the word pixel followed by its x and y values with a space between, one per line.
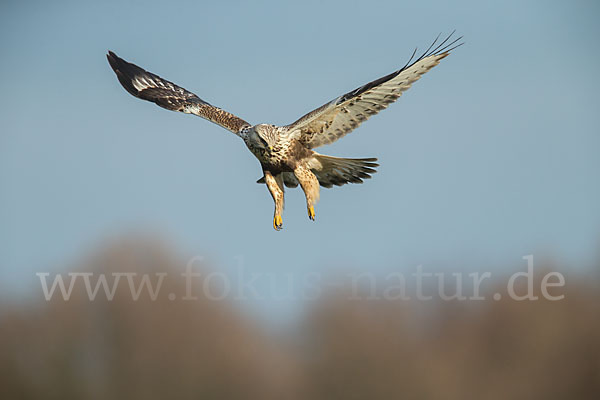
pixel 113 60
pixel 125 72
pixel 442 49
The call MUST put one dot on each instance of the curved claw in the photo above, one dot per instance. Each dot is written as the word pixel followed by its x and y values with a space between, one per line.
pixel 277 223
pixel 311 213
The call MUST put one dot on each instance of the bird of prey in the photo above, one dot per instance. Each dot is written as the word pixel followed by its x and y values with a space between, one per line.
pixel 286 152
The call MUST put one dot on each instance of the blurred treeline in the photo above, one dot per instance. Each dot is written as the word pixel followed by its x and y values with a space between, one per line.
pixel 341 349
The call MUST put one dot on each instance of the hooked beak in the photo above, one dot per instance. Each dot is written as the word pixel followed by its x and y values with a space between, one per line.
pixel 270 148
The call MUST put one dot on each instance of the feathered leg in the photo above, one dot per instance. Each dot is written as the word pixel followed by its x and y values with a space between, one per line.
pixel 275 186
pixel 310 186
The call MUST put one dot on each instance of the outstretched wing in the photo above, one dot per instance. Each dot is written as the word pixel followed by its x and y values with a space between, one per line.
pixel 339 117
pixel 145 85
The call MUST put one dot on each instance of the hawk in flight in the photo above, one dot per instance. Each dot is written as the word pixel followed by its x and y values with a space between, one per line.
pixel 286 152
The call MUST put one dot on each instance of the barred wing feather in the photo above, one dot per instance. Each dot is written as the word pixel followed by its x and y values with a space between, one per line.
pixel 339 117
pixel 148 86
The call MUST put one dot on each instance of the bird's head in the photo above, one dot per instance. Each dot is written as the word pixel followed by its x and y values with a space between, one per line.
pixel 264 136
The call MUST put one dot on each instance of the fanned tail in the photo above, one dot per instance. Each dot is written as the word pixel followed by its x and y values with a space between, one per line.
pixel 339 171
pixel 334 171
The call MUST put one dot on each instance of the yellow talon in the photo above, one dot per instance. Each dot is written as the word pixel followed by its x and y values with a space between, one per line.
pixel 277 222
pixel 311 213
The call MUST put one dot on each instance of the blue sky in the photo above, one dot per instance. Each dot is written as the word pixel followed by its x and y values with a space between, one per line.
pixel 491 156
